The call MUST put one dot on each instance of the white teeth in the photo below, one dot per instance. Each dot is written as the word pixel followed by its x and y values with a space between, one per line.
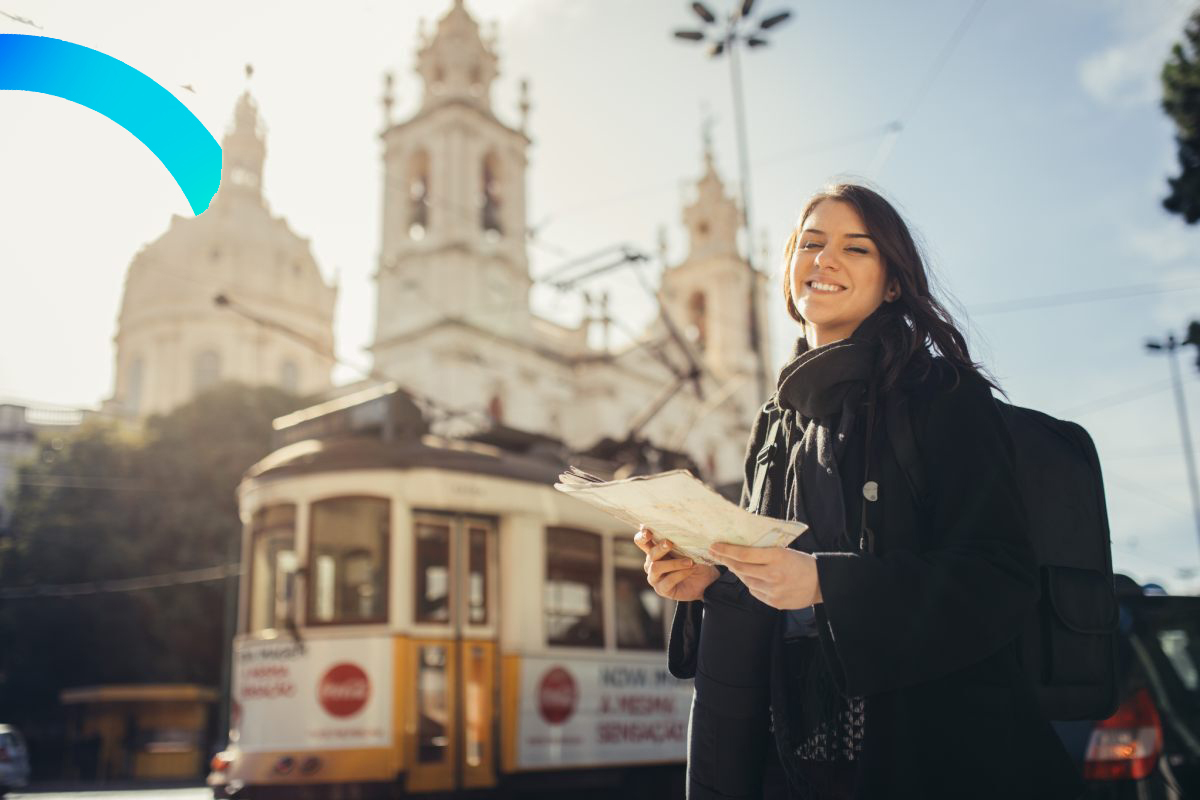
pixel 825 287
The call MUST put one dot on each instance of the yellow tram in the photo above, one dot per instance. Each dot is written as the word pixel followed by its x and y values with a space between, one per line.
pixel 428 615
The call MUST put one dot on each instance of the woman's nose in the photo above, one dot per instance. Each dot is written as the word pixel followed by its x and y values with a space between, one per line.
pixel 824 259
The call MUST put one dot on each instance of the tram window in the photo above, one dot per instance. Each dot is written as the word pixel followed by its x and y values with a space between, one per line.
pixel 432 585
pixel 272 565
pixel 639 610
pixel 477 588
pixel 432 706
pixel 572 596
pixel 350 560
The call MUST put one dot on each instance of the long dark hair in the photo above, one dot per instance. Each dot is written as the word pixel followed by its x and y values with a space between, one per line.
pixel 913 322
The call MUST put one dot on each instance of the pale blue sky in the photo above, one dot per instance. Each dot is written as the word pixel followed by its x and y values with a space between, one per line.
pixel 1033 165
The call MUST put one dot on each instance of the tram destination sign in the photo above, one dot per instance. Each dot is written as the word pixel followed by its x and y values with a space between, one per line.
pixel 578 713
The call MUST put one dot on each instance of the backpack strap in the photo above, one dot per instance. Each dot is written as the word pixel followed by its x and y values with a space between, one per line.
pixel 763 458
pixel 900 432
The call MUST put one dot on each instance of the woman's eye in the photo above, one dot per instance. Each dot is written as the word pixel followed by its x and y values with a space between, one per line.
pixel 809 245
pixel 862 250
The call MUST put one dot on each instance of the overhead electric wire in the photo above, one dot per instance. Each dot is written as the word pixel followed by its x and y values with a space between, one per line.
pixel 177 578
pixel 1148 493
pixel 1116 399
pixel 888 145
pixel 1086 296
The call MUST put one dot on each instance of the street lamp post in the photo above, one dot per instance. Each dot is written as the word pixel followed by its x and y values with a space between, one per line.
pixel 729 37
pixel 1172 346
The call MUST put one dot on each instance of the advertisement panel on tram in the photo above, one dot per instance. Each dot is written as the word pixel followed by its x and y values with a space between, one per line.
pixel 322 694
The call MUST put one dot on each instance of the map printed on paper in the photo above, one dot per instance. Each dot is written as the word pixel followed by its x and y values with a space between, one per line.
pixel 677 506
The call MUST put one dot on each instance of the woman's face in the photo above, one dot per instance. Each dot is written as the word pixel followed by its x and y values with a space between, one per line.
pixel 835 252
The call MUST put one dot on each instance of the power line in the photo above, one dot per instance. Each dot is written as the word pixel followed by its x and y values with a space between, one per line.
pixel 179 578
pixel 1117 399
pixel 88 482
pixel 889 143
pixel 1148 493
pixel 1089 296
pixel 1160 451
pixel 940 62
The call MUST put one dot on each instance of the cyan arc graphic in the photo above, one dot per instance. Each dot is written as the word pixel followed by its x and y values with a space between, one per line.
pixel 124 95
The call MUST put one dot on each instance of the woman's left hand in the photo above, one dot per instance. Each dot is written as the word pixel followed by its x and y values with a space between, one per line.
pixel 778 576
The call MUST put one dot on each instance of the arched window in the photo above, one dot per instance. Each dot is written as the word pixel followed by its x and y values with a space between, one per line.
pixel 289 377
pixel 133 390
pixel 489 197
pixel 697 319
pixel 418 195
pixel 206 370
pixel 496 407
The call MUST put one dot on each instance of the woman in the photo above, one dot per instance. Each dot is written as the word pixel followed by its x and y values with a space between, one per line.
pixel 874 657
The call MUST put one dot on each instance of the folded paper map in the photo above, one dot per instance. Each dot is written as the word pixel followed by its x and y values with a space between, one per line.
pixel 675 505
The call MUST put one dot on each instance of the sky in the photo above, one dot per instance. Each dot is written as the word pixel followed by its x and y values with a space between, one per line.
pixel 1031 160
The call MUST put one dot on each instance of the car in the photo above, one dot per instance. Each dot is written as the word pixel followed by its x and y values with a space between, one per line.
pixel 1149 748
pixel 14 760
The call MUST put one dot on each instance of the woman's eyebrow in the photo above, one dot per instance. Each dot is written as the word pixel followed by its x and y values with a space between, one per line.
pixel 848 235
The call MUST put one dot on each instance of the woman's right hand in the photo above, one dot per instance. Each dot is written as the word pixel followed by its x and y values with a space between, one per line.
pixel 671 576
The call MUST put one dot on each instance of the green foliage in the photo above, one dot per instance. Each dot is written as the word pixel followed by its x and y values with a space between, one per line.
pixel 101 505
pixel 1181 102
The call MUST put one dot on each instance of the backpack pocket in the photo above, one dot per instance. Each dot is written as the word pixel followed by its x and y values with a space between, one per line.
pixel 1072 641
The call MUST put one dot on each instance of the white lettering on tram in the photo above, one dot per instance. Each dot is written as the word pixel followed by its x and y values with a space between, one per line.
pixel 668 731
pixel 622 676
pixel 350 690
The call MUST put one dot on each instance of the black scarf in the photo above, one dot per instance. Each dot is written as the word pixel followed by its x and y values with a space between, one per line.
pixel 821 391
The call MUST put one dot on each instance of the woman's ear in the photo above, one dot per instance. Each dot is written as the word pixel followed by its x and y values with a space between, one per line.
pixel 893 290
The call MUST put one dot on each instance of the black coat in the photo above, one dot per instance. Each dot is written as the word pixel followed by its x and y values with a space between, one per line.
pixel 924 627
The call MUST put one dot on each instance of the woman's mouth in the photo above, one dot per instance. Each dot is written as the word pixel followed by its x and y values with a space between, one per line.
pixel 824 288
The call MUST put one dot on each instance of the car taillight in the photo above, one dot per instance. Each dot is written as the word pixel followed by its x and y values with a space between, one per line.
pixel 1127 744
pixel 220 762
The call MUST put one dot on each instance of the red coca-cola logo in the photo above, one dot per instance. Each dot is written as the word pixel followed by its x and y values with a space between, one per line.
pixel 557 696
pixel 344 690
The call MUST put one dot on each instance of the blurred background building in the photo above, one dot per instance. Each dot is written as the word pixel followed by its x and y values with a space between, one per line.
pixel 173 341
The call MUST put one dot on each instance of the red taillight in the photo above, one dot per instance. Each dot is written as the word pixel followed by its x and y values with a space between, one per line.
pixel 1127 744
pixel 220 762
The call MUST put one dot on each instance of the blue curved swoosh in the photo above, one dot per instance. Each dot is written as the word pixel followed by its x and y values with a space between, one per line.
pixel 124 95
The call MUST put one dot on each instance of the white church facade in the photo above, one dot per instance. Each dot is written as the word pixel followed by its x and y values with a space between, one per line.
pixel 453 316
pixel 174 340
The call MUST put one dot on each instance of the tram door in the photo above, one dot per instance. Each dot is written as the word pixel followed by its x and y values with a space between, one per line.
pixel 452 661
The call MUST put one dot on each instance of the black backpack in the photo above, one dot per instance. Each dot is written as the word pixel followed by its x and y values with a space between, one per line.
pixel 1068 646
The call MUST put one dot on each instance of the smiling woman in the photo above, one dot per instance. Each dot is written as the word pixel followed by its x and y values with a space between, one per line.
pixel 874 656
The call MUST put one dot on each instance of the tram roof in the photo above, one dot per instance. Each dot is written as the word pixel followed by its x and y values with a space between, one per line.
pixel 348 452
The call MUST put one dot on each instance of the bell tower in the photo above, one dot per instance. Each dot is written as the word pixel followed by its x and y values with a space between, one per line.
pixel 707 294
pixel 453 244
pixel 243 151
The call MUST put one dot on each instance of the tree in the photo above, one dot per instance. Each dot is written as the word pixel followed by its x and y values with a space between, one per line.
pixel 1181 102
pixel 101 505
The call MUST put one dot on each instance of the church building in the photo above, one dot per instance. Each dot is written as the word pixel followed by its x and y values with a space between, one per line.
pixel 274 323
pixel 453 320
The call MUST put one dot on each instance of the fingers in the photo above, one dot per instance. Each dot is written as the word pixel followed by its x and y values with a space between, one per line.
pixel 739 554
pixel 654 550
pixel 669 582
pixel 658 570
pixel 644 539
